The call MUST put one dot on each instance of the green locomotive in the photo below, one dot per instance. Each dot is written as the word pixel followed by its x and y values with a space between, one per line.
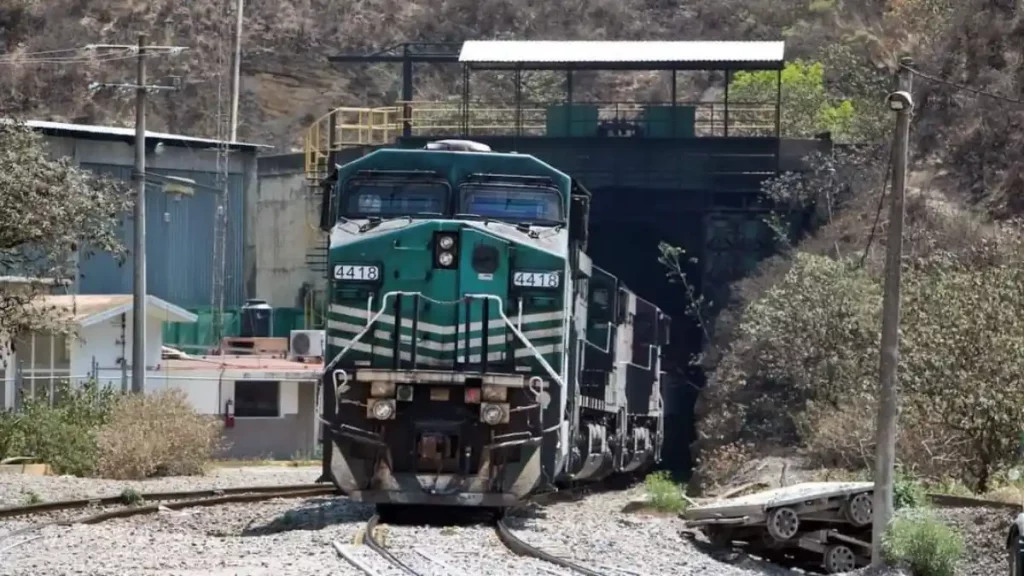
pixel 475 355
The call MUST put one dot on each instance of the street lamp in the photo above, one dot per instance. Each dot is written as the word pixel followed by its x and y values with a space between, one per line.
pixel 900 101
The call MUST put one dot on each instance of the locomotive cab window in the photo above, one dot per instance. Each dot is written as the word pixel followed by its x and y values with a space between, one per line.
pixel 394 198
pixel 257 399
pixel 540 205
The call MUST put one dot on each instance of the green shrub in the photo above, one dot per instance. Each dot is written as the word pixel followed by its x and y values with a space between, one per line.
pixel 93 431
pixel 156 435
pixel 664 494
pixel 920 541
pixel 908 492
pixel 62 434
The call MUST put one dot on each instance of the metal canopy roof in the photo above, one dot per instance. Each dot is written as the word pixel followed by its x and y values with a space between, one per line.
pixel 591 55
pixel 93 132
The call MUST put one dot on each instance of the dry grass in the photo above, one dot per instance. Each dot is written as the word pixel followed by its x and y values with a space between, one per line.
pixel 156 434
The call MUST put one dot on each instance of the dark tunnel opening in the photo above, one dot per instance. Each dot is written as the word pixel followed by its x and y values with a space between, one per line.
pixel 625 243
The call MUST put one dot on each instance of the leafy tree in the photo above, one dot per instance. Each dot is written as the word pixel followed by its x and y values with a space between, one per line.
pixel 802 366
pixel 807 108
pixel 962 359
pixel 52 213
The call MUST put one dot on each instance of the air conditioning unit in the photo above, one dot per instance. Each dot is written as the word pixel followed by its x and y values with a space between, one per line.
pixel 306 344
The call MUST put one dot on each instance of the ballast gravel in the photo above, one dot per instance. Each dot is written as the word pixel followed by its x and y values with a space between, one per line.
pixel 596 533
pixel 17 489
pixel 288 537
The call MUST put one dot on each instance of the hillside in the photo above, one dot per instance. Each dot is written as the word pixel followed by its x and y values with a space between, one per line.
pixel 287 80
pixel 807 317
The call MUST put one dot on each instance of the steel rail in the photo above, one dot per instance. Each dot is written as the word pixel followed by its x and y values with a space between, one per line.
pixel 371 542
pixel 261 493
pixel 127 498
pixel 521 548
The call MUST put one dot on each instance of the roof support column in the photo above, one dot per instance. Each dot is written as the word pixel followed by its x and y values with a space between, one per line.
pixel 465 100
pixel 728 80
pixel 518 79
pixel 406 91
pixel 778 104
pixel 568 101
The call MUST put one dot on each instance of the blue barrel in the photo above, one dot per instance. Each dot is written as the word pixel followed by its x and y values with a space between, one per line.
pixel 257 319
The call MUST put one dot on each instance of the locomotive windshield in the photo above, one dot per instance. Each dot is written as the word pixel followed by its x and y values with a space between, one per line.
pixel 390 198
pixel 511 203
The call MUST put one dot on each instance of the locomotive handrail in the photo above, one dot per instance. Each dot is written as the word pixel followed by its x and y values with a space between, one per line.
pixel 650 359
pixel 607 340
pixel 383 308
pixel 522 338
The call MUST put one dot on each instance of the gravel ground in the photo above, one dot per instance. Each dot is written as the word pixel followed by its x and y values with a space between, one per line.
pixel 17 489
pixel 286 537
pixel 984 532
pixel 459 551
pixel 596 533
pixel 277 537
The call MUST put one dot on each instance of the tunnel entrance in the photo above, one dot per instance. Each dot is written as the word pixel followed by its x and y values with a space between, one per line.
pixel 624 241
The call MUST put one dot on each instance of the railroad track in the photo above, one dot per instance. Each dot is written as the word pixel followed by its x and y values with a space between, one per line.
pixel 187 499
pixel 394 563
pixel 134 504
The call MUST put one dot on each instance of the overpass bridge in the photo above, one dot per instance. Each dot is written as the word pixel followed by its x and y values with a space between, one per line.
pixel 688 173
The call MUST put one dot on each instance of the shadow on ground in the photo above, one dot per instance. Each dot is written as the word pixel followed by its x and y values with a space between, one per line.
pixel 312 514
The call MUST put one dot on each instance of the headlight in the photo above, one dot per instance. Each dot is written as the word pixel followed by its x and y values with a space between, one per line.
pixel 492 393
pixel 492 414
pixel 383 409
pixel 445 258
pixel 446 242
pixel 382 388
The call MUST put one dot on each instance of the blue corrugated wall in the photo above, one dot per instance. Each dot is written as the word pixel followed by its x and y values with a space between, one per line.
pixel 179 247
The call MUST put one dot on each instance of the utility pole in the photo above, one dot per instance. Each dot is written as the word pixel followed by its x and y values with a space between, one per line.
pixel 888 405
pixel 139 245
pixel 139 181
pixel 236 67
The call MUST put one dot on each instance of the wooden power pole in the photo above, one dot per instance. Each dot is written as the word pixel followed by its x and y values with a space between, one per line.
pixel 139 289
pixel 139 244
pixel 888 405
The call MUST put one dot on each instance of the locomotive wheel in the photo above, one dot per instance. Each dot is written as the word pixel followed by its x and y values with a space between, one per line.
pixel 858 510
pixel 839 558
pixel 783 523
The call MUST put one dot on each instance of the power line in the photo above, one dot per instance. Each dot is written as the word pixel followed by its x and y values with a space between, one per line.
pixel 878 209
pixel 977 91
pixel 85 54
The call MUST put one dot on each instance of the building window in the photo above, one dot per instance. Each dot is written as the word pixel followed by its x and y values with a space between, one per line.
pixel 43 360
pixel 257 399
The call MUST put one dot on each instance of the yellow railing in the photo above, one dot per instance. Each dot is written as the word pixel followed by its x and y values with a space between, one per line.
pixel 361 127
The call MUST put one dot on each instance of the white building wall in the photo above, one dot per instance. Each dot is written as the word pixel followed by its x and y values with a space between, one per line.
pixel 201 388
pixel 103 342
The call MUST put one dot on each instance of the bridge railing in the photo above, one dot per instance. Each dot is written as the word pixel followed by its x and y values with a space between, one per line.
pixel 359 127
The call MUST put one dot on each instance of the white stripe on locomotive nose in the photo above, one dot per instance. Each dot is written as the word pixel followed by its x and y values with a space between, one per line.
pixel 443 346
pixel 386 352
pixel 495 323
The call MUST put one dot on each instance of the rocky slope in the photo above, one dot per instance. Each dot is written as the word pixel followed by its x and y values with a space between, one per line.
pixel 287 81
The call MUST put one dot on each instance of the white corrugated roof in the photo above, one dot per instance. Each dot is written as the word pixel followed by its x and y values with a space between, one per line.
pixel 130 132
pixel 548 51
